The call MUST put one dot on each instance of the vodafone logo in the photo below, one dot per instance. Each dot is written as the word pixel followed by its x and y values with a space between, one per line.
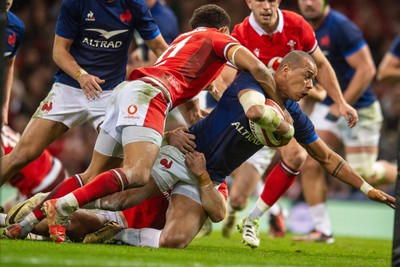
pixel 132 109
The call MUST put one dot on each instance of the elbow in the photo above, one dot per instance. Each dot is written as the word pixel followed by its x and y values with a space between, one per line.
pixel 219 214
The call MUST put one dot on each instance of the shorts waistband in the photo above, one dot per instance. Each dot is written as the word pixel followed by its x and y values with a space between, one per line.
pixel 158 85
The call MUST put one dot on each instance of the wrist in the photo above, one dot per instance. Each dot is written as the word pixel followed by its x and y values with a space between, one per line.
pixel 79 73
pixel 365 188
pixel 204 180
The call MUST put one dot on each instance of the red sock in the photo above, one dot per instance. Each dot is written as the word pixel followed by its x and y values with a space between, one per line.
pixel 67 186
pixel 104 184
pixel 277 182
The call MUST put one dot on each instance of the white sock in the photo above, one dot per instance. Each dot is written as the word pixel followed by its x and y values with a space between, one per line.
pixel 258 210
pixel 3 219
pixel 320 219
pixel 146 237
pixel 275 209
pixel 67 204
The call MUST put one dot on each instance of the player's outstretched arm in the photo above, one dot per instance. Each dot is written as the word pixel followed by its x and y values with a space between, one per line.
pixel 214 204
pixel 339 168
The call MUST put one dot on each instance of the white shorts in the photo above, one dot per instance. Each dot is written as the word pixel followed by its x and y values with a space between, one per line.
pixel 170 172
pixel 69 106
pixel 365 133
pixel 261 159
pixel 136 103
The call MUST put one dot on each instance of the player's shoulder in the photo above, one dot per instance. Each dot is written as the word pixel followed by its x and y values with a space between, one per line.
pixel 241 27
pixel 15 20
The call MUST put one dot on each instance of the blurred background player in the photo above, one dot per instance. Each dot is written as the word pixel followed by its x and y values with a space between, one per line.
pixel 14 34
pixel 389 68
pixel 270 33
pixel 91 49
pixel 344 46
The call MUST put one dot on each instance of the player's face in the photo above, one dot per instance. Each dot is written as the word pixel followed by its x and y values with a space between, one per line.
pixel 265 11
pixel 9 4
pixel 299 81
pixel 311 9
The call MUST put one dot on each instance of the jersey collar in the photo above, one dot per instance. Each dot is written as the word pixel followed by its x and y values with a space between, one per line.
pixel 260 31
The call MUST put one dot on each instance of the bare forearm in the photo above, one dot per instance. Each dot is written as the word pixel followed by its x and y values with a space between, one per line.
pixel 358 84
pixel 213 202
pixel 66 62
pixel 327 78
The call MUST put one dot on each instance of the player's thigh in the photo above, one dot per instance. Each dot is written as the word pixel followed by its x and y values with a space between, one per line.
pixel 184 219
pixel 245 180
pixel 38 134
pixel 99 164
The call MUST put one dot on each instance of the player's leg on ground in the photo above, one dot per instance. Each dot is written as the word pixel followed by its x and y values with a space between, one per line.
pixel 134 173
pixel 185 217
pixel 44 132
pixel 99 164
pixel 245 180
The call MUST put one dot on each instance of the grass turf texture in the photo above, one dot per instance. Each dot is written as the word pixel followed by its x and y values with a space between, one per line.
pixel 208 251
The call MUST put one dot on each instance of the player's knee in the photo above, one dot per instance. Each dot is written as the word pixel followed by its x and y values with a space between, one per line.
pixel 177 239
pixel 137 177
pixel 238 202
pixel 364 164
pixel 20 158
pixel 295 158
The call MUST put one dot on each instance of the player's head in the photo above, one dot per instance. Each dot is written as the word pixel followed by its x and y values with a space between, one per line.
pixel 265 13
pixel 313 10
pixel 8 4
pixel 294 76
pixel 211 16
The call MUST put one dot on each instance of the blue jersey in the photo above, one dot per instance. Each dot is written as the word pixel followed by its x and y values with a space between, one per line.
pixel 14 34
pixel 166 21
pixel 339 38
pixel 395 47
pixel 101 34
pixel 224 136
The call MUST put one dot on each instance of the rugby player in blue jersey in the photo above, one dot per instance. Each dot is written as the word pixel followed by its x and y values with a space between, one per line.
pixel 389 68
pixel 226 141
pixel 343 44
pixel 15 29
pixel 91 49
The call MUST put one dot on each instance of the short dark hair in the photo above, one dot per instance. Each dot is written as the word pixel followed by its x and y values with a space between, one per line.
pixel 211 16
pixel 296 59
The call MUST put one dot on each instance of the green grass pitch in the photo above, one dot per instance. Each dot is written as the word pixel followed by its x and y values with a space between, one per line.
pixel 208 251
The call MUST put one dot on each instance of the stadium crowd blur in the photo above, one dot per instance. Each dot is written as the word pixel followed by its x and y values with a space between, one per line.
pixel 34 70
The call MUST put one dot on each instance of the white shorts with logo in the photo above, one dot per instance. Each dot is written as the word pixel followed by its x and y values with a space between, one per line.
pixel 138 104
pixel 69 106
pixel 365 133
pixel 261 159
pixel 170 172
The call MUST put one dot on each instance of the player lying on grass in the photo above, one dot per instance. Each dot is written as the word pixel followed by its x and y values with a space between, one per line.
pixel 226 140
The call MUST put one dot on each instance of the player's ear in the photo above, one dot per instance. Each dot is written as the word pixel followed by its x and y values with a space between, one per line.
pixel 224 30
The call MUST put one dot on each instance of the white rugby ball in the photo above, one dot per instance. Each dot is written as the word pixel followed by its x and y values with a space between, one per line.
pixel 266 137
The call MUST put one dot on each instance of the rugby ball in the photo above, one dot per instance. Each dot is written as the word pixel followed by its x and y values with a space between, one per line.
pixel 265 136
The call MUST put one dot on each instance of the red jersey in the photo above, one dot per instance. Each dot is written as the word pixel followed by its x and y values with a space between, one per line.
pixel 34 173
pixel 192 61
pixel 292 33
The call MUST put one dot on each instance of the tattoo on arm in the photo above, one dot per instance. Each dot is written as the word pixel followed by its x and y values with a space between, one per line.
pixel 338 167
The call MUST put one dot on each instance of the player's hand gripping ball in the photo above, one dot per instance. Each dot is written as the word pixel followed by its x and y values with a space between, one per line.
pixel 266 136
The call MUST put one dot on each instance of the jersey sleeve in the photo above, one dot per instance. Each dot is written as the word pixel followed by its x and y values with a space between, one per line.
pixel 304 131
pixel 349 38
pixel 68 20
pixel 309 39
pixel 143 21
pixel 221 44
pixel 395 47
